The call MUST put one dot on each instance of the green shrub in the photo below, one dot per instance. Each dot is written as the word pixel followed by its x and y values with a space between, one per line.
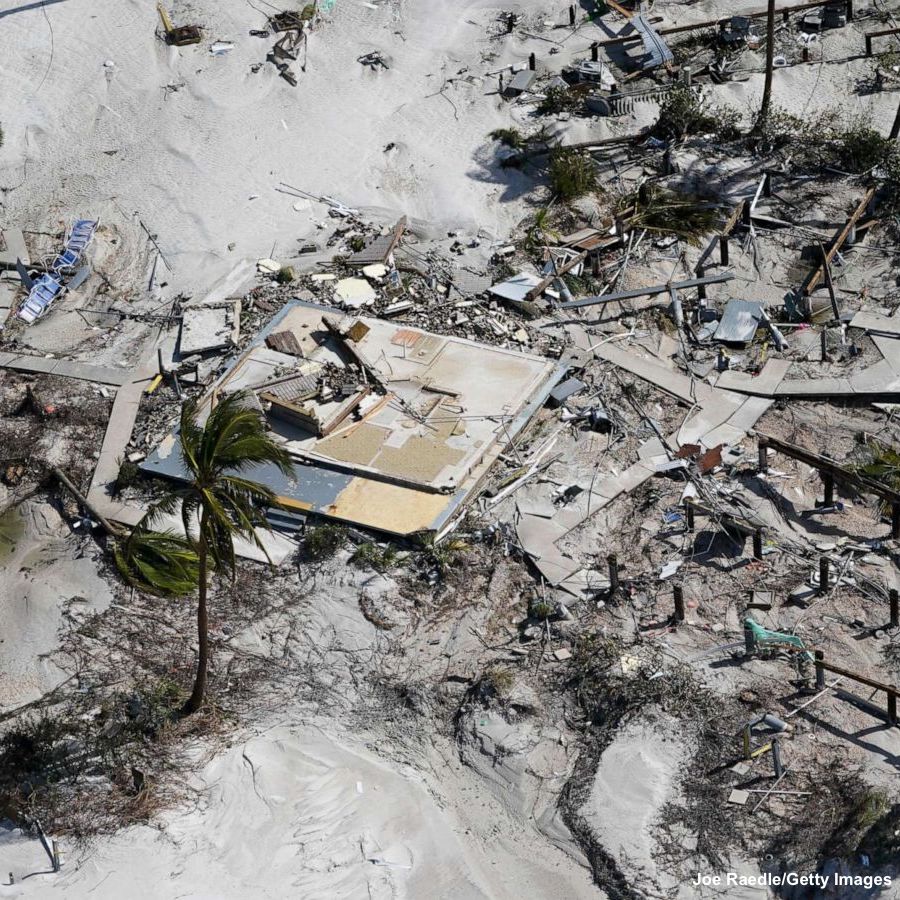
pixel 572 174
pixel 682 113
pixel 557 100
pixel 323 541
pixel 370 555
pixel 509 137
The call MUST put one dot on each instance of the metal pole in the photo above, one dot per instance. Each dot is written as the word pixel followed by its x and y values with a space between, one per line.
pixel 823 574
pixel 776 757
pixel 894 597
pixel 763 450
pixel 678 594
pixel 723 249
pixel 689 513
pixel 820 672
pixel 613 562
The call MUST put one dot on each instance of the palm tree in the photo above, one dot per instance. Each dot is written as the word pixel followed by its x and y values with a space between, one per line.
pixel 214 454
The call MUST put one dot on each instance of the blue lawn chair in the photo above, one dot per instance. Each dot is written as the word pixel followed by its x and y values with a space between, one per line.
pixel 66 261
pixel 43 292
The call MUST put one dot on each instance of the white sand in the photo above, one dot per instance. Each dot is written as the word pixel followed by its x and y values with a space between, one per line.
pixel 292 813
pixel 200 167
pixel 39 580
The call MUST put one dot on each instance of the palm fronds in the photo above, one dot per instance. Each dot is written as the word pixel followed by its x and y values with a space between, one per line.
pixel 160 562
pixel 669 212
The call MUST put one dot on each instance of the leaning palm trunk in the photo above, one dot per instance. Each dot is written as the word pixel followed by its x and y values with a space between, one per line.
pixel 232 440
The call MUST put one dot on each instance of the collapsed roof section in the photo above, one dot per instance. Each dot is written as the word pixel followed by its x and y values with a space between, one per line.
pixel 391 428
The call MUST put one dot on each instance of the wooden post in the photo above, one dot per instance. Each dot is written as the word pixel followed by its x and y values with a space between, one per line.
pixel 595 51
pixel 678 594
pixel 820 672
pixel 757 544
pixel 532 62
pixel 55 856
pixel 723 249
pixel 159 361
pixel 849 10
pixel 829 283
pixel 701 288
pixel 689 513
pixel 894 597
pixel 571 15
pixel 613 562
pixel 892 708
pixel 823 341
pixel 763 451
pixel 895 520
pixel 868 45
pixel 805 54
pixel 767 185
pixel 828 483
pixel 749 640
pixel 747 742
pixel 823 574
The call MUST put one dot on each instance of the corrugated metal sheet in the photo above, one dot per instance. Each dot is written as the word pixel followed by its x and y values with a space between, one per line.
pixel 739 321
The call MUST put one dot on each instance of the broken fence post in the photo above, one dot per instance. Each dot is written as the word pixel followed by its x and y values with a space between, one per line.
pixel 55 847
pixel 828 483
pixel 678 594
pixel 689 513
pixel 892 708
pixel 849 10
pixel 613 562
pixel 532 62
pixel 159 361
pixel 895 520
pixel 820 672
pixel 767 185
pixel 749 639
pixel 757 544
pixel 823 574
pixel 723 249
pixel 572 15
pixel 595 52
pixel 894 598
pixel 823 339
pixel 763 451
pixel 805 54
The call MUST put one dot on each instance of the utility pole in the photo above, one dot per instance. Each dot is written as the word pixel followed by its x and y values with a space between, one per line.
pixel 770 65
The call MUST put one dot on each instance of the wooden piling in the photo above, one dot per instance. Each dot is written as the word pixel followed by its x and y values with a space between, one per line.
pixel 828 484
pixel 895 520
pixel 757 544
pixel 763 455
pixel 723 249
pixel 571 15
pixel 894 597
pixel 678 594
pixel 823 574
pixel 532 62
pixel 613 562
pixel 689 513
pixel 820 672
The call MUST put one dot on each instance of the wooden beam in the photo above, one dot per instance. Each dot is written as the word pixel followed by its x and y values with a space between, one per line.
pixel 714 23
pixel 812 281
pixel 830 467
pixel 539 289
pixel 855 676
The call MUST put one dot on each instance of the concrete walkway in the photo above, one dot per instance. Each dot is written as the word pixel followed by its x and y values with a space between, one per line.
pixel 64 368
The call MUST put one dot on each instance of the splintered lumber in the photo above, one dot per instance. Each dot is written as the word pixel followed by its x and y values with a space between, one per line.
pixel 816 276
pixel 85 503
pixel 890 690
pixel 541 286
pixel 649 291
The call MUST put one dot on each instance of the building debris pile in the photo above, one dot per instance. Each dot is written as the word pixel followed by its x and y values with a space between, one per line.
pixel 644 449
